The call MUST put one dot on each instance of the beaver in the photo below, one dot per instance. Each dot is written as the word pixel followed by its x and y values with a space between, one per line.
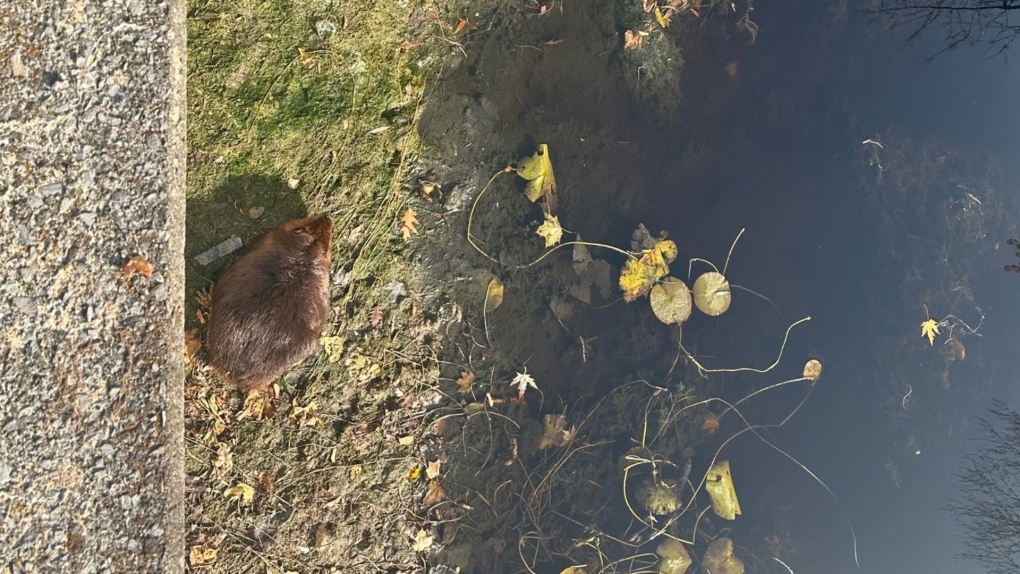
pixel 269 307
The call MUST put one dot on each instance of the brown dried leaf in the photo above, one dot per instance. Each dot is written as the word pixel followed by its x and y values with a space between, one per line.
pixel 465 382
pixel 375 316
pixel 435 494
pixel 408 224
pixel 710 422
pixel 633 40
pixel 258 405
pixel 266 481
pixel 432 469
pixel 136 264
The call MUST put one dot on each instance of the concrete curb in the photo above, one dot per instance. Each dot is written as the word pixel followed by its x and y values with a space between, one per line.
pixel 92 135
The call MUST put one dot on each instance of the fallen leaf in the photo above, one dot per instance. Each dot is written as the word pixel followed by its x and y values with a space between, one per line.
pixel 538 171
pixel 554 42
pixel 202 556
pixel 414 473
pixel 813 369
pixel 660 18
pixel 395 290
pixel 434 495
pixel 719 484
pixel 334 347
pixel 240 493
pixel 929 329
pixel 136 264
pixel 406 440
pixel 429 188
pixel 375 316
pixel 710 422
pixel 550 230
pixel 432 469
pixel 223 460
pixel 378 130
pixel 554 431
pixel 465 382
pixel 408 224
pixel 522 381
pixel 633 40
pixel 258 405
pixel 460 26
pixel 192 344
pixel 493 295
pixel 293 183
pixel 266 482
pixel 304 416
pixel 308 61
pixel 422 541
pixel 639 275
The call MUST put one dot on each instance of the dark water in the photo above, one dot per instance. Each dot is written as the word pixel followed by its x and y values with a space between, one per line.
pixel 788 172
pixel 866 252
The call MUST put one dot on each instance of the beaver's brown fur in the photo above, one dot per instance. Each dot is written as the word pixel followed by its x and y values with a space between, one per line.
pixel 268 308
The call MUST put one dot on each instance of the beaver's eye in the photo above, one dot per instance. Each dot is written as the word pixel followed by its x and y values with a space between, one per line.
pixel 299 230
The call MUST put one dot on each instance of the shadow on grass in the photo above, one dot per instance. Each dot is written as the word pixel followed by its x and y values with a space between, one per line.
pixel 226 211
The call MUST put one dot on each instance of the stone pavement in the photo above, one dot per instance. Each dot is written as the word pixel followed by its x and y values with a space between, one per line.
pixel 92 106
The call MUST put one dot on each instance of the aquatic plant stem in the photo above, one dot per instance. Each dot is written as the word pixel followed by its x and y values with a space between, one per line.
pixel 471 214
pixel 728 255
pixel 586 243
pixel 786 338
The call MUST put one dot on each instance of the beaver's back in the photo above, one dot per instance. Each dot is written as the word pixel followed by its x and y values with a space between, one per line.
pixel 269 307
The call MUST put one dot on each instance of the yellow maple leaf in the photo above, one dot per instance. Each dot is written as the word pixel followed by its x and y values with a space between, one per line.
pixel 202 555
pixel 639 275
pixel 929 329
pixel 550 230
pixel 667 249
pixel 538 171
pixel 662 19
pixel 241 493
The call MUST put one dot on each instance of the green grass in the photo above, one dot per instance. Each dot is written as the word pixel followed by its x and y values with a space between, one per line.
pixel 262 115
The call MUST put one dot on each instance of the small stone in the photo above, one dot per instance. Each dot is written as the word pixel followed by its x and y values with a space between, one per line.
pixel 51 188
pixel 26 305
pixel 325 28
pixel 256 212
pixel 395 290
pixel 88 218
pixel 17 66
pixel 35 202
pixel 224 248
pixel 50 79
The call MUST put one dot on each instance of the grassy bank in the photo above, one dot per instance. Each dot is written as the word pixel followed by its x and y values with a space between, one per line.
pixel 294 108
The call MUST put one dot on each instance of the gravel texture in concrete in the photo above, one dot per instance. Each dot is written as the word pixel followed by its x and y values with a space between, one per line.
pixel 91 175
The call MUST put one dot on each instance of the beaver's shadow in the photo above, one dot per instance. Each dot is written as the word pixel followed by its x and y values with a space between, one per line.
pixel 228 211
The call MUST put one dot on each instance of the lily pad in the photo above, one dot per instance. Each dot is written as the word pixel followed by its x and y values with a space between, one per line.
pixel 671 301
pixel 712 293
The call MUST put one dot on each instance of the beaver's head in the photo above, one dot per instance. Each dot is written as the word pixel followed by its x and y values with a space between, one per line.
pixel 312 236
